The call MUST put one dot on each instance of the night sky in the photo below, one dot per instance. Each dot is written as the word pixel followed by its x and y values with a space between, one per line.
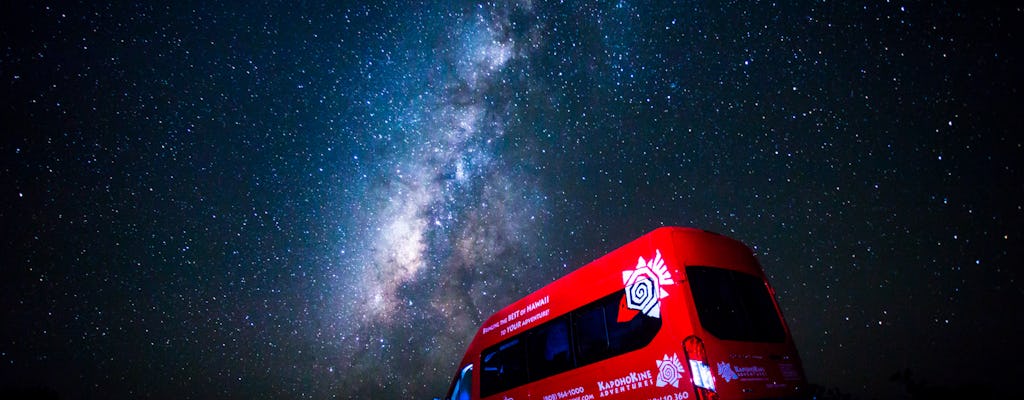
pixel 307 201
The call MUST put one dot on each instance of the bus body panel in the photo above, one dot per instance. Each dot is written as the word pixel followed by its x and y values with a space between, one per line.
pixel 659 264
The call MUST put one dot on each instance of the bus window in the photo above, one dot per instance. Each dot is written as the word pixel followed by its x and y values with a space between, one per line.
pixel 591 334
pixel 550 349
pixel 734 306
pixel 636 333
pixel 503 367
pixel 599 335
pixel 461 390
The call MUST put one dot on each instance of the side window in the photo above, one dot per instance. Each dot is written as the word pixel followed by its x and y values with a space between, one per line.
pixel 464 385
pixel 600 335
pixel 550 349
pixel 587 335
pixel 624 337
pixel 503 367
pixel 592 334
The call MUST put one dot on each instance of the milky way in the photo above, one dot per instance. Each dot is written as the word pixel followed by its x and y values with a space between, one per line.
pixel 444 158
pixel 456 214
pixel 314 200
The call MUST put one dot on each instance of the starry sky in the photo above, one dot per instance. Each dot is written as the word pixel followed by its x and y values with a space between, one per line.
pixel 304 200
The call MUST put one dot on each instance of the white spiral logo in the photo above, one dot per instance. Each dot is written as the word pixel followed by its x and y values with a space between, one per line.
pixel 670 371
pixel 644 285
pixel 642 291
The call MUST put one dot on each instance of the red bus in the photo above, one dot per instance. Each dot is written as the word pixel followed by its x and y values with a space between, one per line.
pixel 677 314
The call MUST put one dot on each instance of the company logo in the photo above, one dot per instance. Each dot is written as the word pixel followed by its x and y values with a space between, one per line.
pixel 627 383
pixel 670 371
pixel 644 285
pixel 725 371
pixel 752 373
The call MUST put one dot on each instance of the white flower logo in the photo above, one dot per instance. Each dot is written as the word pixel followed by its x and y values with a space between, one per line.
pixel 644 285
pixel 670 370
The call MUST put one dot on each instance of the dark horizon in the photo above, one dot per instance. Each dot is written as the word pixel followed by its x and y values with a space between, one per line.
pixel 325 200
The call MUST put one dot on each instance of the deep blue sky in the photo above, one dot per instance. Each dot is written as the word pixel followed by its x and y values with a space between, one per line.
pixel 263 200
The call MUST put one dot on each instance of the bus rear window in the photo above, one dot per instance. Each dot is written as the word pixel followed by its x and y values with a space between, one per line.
pixel 734 306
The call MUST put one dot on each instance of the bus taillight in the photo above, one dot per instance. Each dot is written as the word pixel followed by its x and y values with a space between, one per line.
pixel 700 369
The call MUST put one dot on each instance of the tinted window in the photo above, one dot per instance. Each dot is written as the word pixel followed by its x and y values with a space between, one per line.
pixel 734 306
pixel 589 334
pixel 503 367
pixel 592 334
pixel 600 335
pixel 631 334
pixel 550 349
